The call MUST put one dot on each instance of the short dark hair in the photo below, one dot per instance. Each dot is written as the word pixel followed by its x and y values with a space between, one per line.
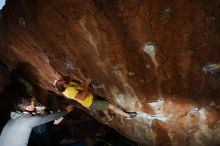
pixel 23 102
pixel 60 85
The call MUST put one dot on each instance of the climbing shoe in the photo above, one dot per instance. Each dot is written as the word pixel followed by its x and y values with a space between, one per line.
pixel 132 114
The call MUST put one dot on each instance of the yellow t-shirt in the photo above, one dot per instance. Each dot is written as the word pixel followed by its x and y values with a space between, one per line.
pixel 72 91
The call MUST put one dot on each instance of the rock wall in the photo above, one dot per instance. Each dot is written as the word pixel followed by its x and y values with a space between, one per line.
pixel 157 57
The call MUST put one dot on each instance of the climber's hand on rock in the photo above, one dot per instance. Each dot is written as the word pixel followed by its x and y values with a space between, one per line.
pixel 88 81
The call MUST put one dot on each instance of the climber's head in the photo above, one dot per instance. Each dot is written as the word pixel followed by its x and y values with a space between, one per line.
pixel 62 84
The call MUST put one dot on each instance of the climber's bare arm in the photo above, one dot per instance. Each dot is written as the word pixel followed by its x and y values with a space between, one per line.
pixel 84 93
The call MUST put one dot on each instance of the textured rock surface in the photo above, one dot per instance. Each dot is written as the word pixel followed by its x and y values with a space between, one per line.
pixel 160 58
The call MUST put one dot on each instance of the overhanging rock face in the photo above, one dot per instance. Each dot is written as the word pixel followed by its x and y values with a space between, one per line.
pixel 160 58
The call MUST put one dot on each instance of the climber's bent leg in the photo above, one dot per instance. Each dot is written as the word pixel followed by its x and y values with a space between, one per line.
pixel 118 111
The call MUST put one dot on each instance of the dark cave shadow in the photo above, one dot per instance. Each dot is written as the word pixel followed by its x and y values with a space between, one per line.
pixel 27 72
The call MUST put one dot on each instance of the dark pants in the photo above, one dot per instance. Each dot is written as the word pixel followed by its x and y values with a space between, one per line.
pixel 40 139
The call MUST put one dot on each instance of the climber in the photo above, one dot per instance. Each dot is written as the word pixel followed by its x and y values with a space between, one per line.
pixel 18 129
pixel 81 94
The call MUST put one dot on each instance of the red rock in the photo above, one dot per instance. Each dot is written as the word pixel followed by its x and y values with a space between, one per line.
pixel 157 57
